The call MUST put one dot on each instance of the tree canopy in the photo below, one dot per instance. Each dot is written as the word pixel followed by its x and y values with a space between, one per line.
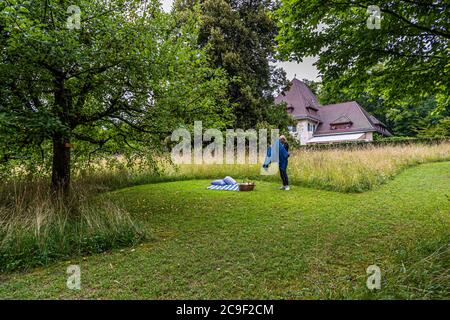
pixel 239 36
pixel 122 79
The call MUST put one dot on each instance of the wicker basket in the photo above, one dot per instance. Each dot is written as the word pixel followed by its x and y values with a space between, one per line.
pixel 246 186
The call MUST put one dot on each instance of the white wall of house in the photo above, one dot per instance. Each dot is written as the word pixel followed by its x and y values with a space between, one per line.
pixel 304 131
pixel 368 136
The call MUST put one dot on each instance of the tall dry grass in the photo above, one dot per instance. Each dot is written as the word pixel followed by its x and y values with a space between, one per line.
pixel 345 170
pixel 36 228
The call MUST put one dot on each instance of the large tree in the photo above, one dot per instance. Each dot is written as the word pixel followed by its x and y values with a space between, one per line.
pixel 126 74
pixel 239 36
pixel 406 56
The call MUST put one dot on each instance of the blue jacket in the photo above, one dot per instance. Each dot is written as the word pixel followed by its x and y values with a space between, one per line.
pixel 283 156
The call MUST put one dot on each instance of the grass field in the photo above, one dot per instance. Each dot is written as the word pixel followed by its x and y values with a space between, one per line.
pixel 305 243
pixel 36 230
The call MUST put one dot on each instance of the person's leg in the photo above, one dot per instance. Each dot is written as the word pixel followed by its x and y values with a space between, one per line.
pixel 284 177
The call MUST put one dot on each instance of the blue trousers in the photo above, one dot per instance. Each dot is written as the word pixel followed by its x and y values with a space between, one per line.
pixel 284 177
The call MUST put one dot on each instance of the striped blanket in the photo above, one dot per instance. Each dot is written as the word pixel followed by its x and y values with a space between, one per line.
pixel 229 187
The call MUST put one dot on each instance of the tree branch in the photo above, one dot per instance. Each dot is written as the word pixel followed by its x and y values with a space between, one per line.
pixel 398 16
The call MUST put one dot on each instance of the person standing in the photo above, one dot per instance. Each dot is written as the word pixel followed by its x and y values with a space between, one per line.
pixel 283 163
pixel 283 155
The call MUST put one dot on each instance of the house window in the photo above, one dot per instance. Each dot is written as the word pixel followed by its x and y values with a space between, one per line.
pixel 311 110
pixel 340 126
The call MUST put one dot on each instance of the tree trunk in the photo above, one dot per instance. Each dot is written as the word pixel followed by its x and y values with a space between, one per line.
pixel 61 140
pixel 61 164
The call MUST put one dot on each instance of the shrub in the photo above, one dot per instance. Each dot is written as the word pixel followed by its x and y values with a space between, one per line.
pixel 389 141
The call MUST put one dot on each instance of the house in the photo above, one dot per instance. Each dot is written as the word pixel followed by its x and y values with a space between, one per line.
pixel 340 122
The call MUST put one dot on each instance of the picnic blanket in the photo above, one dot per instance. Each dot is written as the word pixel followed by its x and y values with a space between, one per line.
pixel 228 187
pixel 225 184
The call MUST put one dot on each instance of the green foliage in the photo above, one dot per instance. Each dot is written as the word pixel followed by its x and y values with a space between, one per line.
pixel 380 141
pixel 239 37
pixel 315 86
pixel 410 116
pixel 277 118
pixel 121 83
pixel 406 56
pixel 440 129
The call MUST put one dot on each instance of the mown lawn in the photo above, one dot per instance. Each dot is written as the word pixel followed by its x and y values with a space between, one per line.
pixel 305 243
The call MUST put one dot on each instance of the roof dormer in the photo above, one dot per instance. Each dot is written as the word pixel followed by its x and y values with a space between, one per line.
pixel 343 122
pixel 312 109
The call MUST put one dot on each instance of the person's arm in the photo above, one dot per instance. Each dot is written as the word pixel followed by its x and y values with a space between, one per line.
pixel 283 151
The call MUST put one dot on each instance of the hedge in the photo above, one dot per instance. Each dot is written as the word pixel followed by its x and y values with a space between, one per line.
pixel 391 141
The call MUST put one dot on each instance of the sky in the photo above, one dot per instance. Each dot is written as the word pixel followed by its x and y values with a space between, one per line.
pixel 304 70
